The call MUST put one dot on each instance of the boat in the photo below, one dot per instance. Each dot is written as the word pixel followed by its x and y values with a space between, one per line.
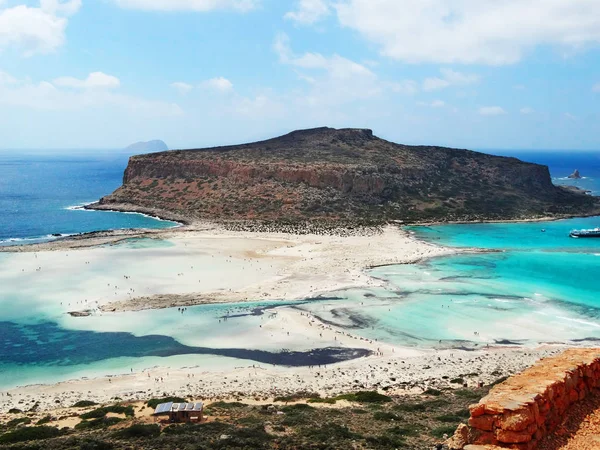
pixel 594 232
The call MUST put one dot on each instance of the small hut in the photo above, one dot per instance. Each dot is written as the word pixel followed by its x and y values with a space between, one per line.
pixel 180 412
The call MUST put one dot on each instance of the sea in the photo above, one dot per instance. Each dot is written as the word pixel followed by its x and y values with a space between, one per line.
pixel 41 194
pixel 534 285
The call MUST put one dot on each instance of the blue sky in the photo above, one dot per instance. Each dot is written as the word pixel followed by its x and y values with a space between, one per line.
pixel 462 73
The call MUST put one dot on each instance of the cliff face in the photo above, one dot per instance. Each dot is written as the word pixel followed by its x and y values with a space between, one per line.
pixel 341 174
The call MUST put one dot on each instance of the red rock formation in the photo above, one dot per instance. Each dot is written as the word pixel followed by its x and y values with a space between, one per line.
pixel 341 174
pixel 522 410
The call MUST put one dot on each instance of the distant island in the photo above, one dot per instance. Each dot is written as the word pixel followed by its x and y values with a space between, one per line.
pixel 343 176
pixel 148 147
pixel 575 175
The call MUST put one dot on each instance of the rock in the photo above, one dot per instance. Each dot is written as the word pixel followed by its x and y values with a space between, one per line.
pixel 575 175
pixel 339 175
pixel 460 438
pixel 147 147
pixel 516 420
pixel 80 313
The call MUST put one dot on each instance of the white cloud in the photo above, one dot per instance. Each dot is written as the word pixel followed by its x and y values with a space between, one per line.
pixel 95 80
pixel 258 107
pixel 433 84
pixel 471 31
pixel 6 78
pixel 36 30
pixel 335 79
pixel 308 12
pixel 407 87
pixel 219 84
pixel 188 5
pixel 449 78
pixel 46 96
pixel 60 7
pixel 491 111
pixel 596 87
pixel 527 110
pixel 433 104
pixel 571 116
pixel 181 87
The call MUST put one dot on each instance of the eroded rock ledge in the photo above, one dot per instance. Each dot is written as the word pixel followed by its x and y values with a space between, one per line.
pixel 522 410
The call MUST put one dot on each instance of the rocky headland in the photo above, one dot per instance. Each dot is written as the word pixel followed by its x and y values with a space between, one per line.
pixel 149 146
pixel 340 176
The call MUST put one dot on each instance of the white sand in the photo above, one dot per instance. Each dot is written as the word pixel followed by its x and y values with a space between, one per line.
pixel 212 265
pixel 202 267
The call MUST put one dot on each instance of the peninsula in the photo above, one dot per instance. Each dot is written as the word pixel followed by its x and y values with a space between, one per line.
pixel 345 175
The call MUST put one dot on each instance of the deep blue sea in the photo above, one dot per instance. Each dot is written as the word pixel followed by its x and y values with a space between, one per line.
pixel 39 192
pixel 540 286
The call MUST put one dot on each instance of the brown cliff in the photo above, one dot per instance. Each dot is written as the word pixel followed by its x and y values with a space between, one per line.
pixel 340 175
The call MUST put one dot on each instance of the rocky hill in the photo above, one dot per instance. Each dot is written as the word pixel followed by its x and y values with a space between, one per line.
pixel 340 175
pixel 146 147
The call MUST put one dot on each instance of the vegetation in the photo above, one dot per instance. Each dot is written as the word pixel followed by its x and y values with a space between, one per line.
pixel 153 403
pixel 99 413
pixel 29 434
pixel 380 422
pixel 138 431
pixel 84 404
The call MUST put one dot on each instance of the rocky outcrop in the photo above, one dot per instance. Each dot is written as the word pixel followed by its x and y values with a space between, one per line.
pixel 522 410
pixel 341 175
pixel 147 147
pixel 575 175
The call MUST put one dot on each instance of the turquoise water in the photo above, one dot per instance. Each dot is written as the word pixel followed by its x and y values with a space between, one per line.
pixel 541 287
pixel 522 236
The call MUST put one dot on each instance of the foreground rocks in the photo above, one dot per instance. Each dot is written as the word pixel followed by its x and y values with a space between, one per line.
pixel 524 409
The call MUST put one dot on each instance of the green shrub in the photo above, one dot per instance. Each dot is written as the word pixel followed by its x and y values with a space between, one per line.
pixel 14 411
pixel 297 407
pixel 330 401
pixel 23 420
pixel 29 434
pixel 406 430
pixel 365 397
pixel 226 405
pixel 138 431
pixel 457 380
pixel 449 418
pixel 467 394
pixel 153 403
pixel 386 441
pixel 297 396
pixel 101 422
pixel 434 392
pixel 440 431
pixel 93 444
pixel 330 431
pixel 84 404
pixel 385 416
pixel 103 411
pixel 250 420
pixel 44 420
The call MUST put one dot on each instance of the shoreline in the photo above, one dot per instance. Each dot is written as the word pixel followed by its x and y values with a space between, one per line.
pixel 133 209
pixel 306 266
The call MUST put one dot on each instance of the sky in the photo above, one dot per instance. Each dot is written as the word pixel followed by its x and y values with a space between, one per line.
pixel 463 73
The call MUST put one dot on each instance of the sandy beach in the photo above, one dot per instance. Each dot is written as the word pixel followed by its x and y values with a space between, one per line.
pixel 122 274
pixel 210 264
